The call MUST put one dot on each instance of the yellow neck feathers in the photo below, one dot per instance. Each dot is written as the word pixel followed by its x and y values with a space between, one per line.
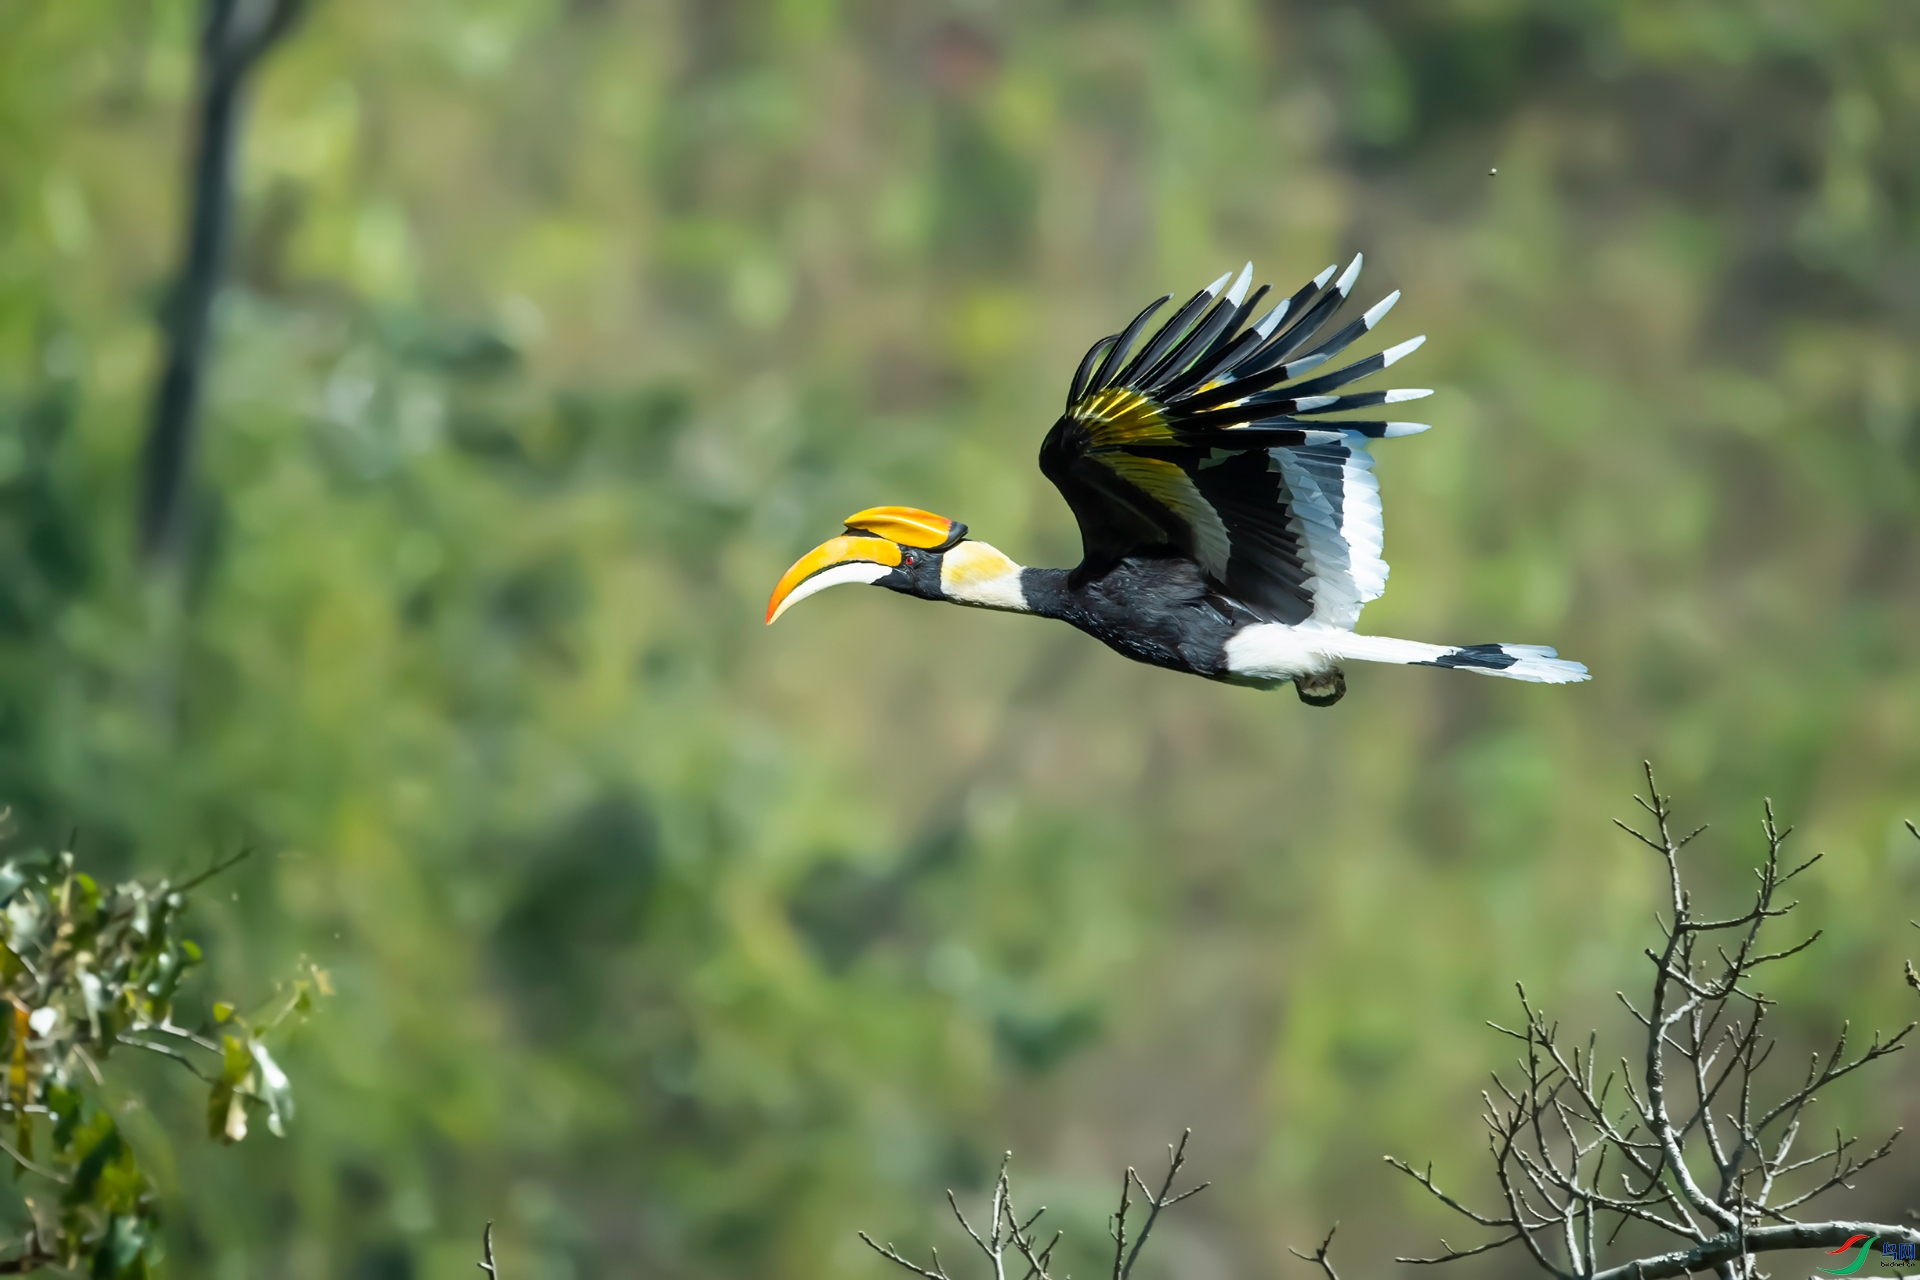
pixel 981 575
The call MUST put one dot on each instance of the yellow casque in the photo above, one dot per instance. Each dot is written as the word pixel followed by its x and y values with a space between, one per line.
pixel 908 526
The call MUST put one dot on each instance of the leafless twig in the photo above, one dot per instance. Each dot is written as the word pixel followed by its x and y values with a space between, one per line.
pixel 217 868
pixel 1123 1258
pixel 1913 979
pixel 1008 1237
pixel 1319 1256
pixel 1678 1140
pixel 486 1250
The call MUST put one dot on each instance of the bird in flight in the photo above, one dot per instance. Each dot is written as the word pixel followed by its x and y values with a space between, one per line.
pixel 1228 527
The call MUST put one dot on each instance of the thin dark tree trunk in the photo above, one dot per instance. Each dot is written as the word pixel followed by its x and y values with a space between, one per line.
pixel 236 33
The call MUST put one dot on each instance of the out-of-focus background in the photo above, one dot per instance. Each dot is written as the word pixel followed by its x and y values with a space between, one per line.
pixel 684 947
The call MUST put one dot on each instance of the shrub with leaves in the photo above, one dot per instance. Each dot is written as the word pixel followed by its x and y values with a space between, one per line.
pixel 84 971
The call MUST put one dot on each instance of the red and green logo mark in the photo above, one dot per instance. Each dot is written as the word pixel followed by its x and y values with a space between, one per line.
pixel 1859 1259
pixel 1894 1253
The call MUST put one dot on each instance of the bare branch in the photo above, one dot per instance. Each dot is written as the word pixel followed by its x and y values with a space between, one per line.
pixel 967 1227
pixel 1552 1134
pixel 486 1254
pixel 50 1175
pixel 1729 1246
pixel 1426 1180
pixel 224 864
pixel 1176 1160
pixel 1454 1255
pixel 1844 1169
pixel 892 1255
pixel 235 36
pixel 1835 1069
pixel 1119 1228
pixel 1573 1163
pixel 1319 1256
pixel 167 1051
pixel 1006 1233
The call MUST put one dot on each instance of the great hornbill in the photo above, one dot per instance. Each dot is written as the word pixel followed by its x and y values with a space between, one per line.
pixel 1228 529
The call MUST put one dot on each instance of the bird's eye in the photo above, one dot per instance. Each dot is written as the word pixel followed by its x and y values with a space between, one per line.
pixel 908 559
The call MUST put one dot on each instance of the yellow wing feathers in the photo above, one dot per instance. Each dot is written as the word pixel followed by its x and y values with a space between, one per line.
pixel 1121 415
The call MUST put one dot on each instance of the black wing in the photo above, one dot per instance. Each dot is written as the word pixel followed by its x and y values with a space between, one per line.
pixel 1192 445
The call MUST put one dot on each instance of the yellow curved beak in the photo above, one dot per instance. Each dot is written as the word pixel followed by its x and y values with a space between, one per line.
pixel 815 571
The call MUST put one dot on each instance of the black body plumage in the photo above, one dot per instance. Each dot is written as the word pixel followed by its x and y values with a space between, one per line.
pixel 1158 611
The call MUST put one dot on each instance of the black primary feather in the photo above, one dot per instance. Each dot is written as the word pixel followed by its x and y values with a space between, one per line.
pixel 1085 371
pixel 1124 342
pixel 1168 334
pixel 1200 440
pixel 1220 354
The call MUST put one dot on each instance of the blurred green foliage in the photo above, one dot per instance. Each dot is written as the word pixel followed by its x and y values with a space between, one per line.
pixel 84 971
pixel 683 946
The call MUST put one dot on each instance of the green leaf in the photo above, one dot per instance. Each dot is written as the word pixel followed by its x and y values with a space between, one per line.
pixel 65 1105
pixel 222 1010
pixel 226 1107
pixel 219 1102
pixel 127 1238
pixel 166 976
pixel 87 901
pixel 101 1140
pixel 235 1059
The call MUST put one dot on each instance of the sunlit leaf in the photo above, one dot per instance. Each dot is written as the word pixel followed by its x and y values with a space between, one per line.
pixel 274 1090
pixel 234 1128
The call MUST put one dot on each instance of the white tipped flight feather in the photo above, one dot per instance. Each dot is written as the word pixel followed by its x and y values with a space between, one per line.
pixel 1379 309
pixel 1238 294
pixel 1352 273
pixel 1405 349
pixel 1271 321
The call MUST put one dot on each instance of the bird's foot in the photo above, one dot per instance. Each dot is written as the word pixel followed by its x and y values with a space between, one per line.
pixel 1322 689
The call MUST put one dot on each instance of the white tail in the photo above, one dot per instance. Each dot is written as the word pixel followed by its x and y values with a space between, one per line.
pixel 1274 652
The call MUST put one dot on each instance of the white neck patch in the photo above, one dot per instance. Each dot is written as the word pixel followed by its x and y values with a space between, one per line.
pixel 981 575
